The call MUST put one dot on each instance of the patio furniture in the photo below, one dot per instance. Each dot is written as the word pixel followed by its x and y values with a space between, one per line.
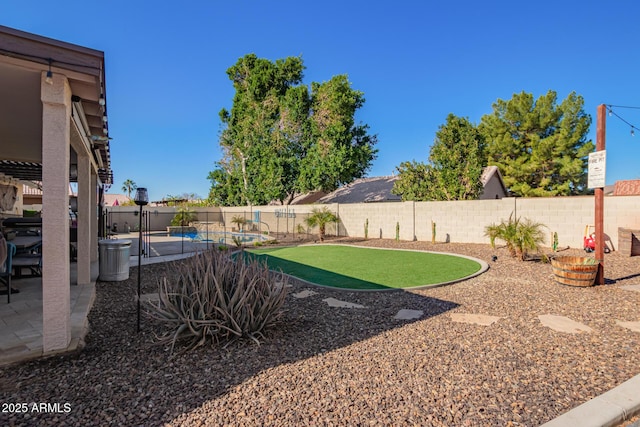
pixel 27 243
pixel 28 256
pixel 5 265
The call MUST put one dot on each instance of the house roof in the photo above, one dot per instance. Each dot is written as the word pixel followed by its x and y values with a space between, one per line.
pixel 378 189
pixel 629 187
pixel 115 199
pixel 364 190
pixel 488 172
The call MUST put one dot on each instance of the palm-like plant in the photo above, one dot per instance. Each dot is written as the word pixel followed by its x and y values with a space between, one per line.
pixel 320 218
pixel 184 217
pixel 239 221
pixel 128 186
pixel 519 236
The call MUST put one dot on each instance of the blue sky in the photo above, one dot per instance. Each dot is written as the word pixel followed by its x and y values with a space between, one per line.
pixel 415 61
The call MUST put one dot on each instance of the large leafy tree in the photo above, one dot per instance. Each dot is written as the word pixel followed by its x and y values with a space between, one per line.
pixel 279 140
pixel 455 165
pixel 540 147
pixel 412 182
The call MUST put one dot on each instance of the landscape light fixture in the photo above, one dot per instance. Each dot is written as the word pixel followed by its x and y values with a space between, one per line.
pixel 49 78
pixel 141 199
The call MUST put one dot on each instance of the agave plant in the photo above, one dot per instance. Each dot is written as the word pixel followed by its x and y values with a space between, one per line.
pixel 218 298
pixel 519 236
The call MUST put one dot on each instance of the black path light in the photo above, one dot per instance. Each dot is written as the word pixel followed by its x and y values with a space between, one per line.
pixel 141 199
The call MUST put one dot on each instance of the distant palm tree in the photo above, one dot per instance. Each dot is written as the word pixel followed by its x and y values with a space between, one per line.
pixel 129 186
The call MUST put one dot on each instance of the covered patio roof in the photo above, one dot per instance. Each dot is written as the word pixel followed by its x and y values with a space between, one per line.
pixel 23 59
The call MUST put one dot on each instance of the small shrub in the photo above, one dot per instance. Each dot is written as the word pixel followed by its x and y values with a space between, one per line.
pixel 237 241
pixel 300 229
pixel 217 298
pixel 257 243
pixel 519 236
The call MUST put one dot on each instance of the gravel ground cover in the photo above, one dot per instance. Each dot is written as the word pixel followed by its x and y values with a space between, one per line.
pixel 335 366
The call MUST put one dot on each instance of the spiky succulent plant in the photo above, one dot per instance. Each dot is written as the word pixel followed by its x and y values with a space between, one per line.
pixel 218 298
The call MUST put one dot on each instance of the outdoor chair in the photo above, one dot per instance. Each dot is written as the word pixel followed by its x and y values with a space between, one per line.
pixel 31 260
pixel 6 266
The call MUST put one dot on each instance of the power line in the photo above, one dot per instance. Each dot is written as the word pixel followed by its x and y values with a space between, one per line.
pixel 611 112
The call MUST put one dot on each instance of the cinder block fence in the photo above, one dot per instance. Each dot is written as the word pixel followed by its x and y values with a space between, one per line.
pixel 458 221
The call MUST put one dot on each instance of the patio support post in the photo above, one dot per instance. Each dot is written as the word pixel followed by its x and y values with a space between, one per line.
pixel 93 214
pixel 601 126
pixel 56 292
pixel 84 220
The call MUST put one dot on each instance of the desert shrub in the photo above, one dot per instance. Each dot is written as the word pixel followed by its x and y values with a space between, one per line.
pixel 300 229
pixel 237 241
pixel 520 236
pixel 216 298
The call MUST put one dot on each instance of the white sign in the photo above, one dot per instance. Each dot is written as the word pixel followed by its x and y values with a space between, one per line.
pixel 597 169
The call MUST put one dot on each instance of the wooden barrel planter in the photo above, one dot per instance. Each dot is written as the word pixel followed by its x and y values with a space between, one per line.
pixel 574 270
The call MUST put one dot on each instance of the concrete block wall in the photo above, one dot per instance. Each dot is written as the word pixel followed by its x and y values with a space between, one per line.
pixel 274 218
pixel 382 217
pixel 621 211
pixel 459 221
pixel 465 221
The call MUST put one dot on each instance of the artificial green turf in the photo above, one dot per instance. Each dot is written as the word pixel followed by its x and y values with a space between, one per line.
pixel 363 268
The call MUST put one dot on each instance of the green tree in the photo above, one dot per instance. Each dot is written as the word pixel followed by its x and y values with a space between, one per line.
pixel 540 147
pixel 412 182
pixel 456 160
pixel 340 151
pixel 279 140
pixel 128 186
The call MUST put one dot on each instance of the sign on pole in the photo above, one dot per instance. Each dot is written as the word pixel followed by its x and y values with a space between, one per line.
pixel 597 169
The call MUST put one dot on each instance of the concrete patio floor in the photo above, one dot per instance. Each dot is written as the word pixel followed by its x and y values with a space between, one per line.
pixel 21 320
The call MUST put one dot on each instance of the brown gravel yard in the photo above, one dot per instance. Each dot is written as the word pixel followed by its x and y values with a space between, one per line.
pixel 358 366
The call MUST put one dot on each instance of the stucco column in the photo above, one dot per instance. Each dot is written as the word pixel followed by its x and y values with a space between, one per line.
pixel 56 113
pixel 93 192
pixel 84 219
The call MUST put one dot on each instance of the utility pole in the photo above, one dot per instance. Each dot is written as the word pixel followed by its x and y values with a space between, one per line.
pixel 599 195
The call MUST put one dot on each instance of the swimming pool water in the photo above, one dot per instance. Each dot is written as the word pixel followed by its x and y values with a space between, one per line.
pixel 223 237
